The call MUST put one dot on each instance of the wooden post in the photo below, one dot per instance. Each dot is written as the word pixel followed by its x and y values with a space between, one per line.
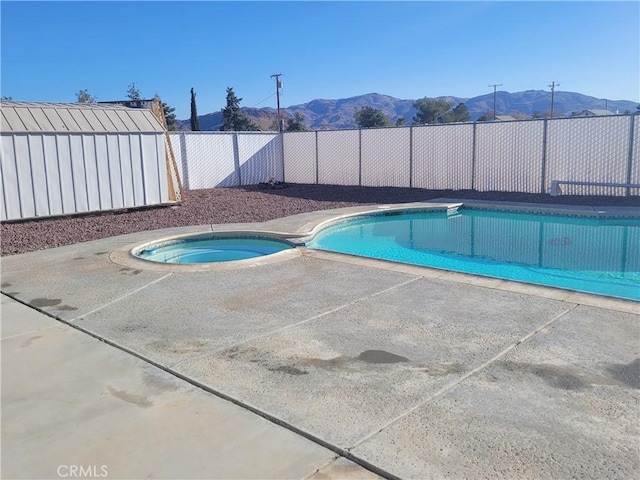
pixel 156 108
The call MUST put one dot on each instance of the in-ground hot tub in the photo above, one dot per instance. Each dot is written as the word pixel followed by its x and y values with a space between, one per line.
pixel 210 248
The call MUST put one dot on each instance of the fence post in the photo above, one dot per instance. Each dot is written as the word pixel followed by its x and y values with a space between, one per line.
pixel 317 160
pixel 185 164
pixel 411 156
pixel 544 157
pixel 473 157
pixel 630 155
pixel 282 150
pixel 236 158
pixel 359 157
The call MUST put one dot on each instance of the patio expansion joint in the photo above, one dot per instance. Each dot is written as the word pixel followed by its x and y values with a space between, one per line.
pixel 121 298
pixel 460 380
pixel 217 350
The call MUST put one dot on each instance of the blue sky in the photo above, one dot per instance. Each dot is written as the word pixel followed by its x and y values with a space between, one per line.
pixel 409 50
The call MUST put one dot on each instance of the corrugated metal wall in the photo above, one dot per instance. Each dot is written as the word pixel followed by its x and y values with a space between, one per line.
pixel 46 174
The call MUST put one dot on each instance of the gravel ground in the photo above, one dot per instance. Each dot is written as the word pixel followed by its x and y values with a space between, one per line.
pixel 243 204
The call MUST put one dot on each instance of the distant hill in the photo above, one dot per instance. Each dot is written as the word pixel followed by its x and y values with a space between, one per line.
pixel 338 114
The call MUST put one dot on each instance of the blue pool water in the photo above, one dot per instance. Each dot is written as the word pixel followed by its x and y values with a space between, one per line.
pixel 212 250
pixel 584 254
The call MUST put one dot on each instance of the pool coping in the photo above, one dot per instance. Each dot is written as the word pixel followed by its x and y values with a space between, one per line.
pixel 124 255
pixel 299 228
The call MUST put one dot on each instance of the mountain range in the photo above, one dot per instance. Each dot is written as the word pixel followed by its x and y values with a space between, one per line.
pixel 339 114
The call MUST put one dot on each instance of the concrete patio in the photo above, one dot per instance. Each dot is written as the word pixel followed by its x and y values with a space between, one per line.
pixel 311 365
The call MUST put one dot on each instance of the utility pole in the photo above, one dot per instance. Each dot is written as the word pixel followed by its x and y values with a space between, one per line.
pixel 278 87
pixel 494 99
pixel 553 91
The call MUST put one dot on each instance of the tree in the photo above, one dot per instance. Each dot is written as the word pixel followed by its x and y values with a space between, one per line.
pixel 431 111
pixel 83 96
pixel 400 121
pixel 133 92
pixel 296 123
pixel 266 124
pixel 4 97
pixel 234 120
pixel 368 117
pixel 195 123
pixel 487 117
pixel 170 117
pixel 459 114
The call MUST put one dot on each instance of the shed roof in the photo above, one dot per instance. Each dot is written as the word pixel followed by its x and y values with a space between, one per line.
pixel 31 117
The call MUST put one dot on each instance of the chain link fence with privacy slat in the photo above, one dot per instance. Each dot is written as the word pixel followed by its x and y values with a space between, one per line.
pixel 338 157
pixel 222 159
pixel 259 158
pixel 588 150
pixel 442 157
pixel 386 158
pixel 509 156
pixel 634 156
pixel 515 156
pixel 300 148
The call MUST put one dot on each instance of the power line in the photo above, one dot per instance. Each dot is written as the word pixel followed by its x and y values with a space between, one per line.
pixel 262 101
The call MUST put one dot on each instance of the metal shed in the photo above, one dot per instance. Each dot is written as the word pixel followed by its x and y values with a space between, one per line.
pixel 67 158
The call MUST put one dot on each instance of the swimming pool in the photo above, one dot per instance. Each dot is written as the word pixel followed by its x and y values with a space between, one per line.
pixel 210 249
pixel 594 255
